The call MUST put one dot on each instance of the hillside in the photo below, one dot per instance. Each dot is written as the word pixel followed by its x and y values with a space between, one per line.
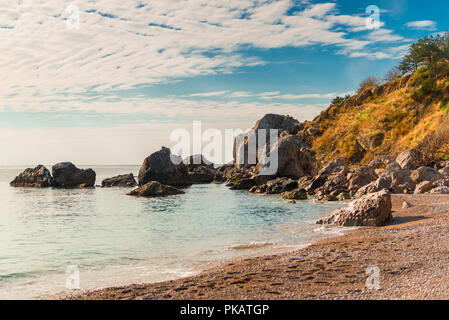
pixel 410 111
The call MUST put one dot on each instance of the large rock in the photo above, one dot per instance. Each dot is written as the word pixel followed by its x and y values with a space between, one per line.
pixel 426 174
pixel 295 159
pixel 245 156
pixel 165 168
pixel 155 189
pixel 38 177
pixel 373 209
pixel 67 175
pixel 125 180
pixel 410 159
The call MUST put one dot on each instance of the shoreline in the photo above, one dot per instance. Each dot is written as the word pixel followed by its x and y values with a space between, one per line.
pixel 410 252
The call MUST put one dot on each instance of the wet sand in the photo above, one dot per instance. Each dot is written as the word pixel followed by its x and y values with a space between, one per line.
pixel 411 254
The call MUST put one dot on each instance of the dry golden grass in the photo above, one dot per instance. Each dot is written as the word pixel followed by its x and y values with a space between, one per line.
pixel 394 111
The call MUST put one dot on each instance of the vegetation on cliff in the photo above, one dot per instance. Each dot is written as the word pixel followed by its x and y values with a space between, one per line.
pixel 409 110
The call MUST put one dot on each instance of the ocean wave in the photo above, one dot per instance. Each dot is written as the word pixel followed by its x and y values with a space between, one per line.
pixel 252 245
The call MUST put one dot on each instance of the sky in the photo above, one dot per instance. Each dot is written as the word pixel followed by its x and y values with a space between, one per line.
pixel 107 81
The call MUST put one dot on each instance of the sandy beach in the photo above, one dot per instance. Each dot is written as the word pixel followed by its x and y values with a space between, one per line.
pixel 411 253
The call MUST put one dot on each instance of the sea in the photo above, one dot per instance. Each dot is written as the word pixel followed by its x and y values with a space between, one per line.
pixel 57 242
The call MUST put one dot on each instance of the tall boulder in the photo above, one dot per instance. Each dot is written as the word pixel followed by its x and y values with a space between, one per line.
pixel 38 177
pixel 295 159
pixel 373 209
pixel 164 167
pixel 245 156
pixel 67 175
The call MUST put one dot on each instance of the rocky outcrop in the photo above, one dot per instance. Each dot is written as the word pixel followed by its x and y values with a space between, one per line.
pixel 373 209
pixel 409 159
pixel 155 189
pixel 165 168
pixel 126 180
pixel 67 175
pixel 38 177
pixel 425 174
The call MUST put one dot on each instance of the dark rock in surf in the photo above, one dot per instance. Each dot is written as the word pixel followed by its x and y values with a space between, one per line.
pixel 155 189
pixel 126 180
pixel 166 168
pixel 38 177
pixel 67 175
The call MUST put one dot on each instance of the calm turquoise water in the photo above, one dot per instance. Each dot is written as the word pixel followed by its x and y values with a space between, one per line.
pixel 115 239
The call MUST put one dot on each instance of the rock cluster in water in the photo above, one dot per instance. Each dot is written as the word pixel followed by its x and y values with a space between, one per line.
pixel 297 176
pixel 64 175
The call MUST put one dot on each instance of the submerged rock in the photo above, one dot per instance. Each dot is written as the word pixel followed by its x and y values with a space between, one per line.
pixel 126 180
pixel 370 210
pixel 164 167
pixel 155 189
pixel 67 175
pixel 38 177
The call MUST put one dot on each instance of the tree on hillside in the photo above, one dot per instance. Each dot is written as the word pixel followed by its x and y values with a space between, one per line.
pixel 368 83
pixel 425 52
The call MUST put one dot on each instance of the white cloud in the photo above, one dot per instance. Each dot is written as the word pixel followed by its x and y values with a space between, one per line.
pixel 120 44
pixel 46 67
pixel 209 94
pixel 422 25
